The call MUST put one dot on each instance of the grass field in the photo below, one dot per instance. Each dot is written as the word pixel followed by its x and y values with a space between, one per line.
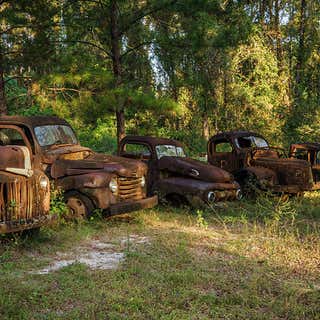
pixel 236 261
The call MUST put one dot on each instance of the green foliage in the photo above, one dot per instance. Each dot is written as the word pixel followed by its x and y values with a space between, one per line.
pixel 101 138
pixel 58 206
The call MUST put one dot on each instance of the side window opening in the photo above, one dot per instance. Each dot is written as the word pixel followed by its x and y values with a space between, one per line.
pixel 223 146
pixel 137 150
pixel 10 136
pixel 301 154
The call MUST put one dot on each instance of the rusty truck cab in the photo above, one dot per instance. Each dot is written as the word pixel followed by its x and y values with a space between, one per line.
pixel 24 186
pixel 173 175
pixel 253 162
pixel 90 180
pixel 308 151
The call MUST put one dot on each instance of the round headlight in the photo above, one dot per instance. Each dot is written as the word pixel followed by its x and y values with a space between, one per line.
pixel 211 197
pixel 43 182
pixel 113 185
pixel 239 194
pixel 143 181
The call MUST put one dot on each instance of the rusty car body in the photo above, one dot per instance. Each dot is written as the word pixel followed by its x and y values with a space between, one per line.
pixel 256 165
pixel 24 187
pixel 89 180
pixel 308 151
pixel 175 176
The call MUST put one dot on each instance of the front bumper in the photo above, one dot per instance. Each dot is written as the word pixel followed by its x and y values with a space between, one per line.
pixel 292 189
pixel 20 225
pixel 125 207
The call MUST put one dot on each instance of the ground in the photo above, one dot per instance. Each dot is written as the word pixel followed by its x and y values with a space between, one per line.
pixel 247 260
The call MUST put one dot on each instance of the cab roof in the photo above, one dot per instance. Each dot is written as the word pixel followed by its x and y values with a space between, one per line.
pixel 32 121
pixel 234 134
pixel 307 145
pixel 153 141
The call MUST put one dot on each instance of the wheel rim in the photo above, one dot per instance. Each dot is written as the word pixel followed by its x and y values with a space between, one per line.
pixel 76 207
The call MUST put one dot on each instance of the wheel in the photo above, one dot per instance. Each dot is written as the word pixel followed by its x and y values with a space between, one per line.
pixel 176 200
pixel 249 184
pixel 79 205
pixel 31 233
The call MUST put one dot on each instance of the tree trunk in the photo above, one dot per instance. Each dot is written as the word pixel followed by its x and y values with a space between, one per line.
pixel 278 34
pixel 3 102
pixel 205 126
pixel 300 56
pixel 116 64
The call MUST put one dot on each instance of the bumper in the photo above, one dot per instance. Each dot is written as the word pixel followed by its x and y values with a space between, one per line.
pixel 293 189
pixel 20 225
pixel 124 207
pixel 225 195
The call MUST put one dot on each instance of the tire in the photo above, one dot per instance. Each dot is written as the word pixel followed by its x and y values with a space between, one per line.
pixel 249 184
pixel 30 233
pixel 79 205
pixel 176 200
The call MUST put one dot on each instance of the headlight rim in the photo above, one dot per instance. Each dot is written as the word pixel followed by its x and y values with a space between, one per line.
pixel 113 185
pixel 43 182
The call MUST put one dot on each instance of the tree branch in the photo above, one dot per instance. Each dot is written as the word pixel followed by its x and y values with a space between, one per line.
pixel 87 43
pixel 145 14
pixel 17 77
pixel 135 48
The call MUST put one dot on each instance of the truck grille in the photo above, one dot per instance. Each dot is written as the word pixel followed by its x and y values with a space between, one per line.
pixel 130 188
pixel 18 200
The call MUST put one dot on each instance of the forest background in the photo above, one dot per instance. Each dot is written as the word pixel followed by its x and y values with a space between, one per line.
pixel 182 69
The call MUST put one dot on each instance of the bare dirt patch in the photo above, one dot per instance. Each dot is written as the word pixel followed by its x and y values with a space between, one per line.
pixel 97 254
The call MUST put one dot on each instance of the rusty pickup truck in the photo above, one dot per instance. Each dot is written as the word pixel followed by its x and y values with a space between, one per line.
pixel 89 180
pixel 256 165
pixel 176 177
pixel 24 187
pixel 308 151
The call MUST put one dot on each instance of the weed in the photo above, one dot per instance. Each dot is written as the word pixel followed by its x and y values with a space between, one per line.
pixel 201 222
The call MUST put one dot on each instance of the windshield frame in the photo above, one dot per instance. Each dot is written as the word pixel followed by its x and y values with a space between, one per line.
pixel 46 146
pixel 253 141
pixel 159 156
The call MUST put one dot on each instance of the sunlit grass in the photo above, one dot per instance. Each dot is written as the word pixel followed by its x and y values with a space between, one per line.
pixel 247 260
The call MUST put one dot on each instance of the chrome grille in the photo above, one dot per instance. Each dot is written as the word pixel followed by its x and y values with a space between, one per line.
pixel 130 188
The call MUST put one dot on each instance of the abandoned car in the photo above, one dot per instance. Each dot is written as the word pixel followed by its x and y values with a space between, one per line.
pixel 24 187
pixel 256 165
pixel 309 151
pixel 89 180
pixel 176 177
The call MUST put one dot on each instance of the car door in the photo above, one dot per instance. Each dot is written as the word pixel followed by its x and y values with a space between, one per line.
pixel 143 152
pixel 223 155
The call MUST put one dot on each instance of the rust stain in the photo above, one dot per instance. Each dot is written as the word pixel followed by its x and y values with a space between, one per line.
pixel 180 176
pixel 249 155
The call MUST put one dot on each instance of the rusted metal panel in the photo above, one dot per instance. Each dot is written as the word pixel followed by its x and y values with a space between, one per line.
pixel 24 201
pixel 309 151
pixel 74 167
pixel 179 175
pixel 275 171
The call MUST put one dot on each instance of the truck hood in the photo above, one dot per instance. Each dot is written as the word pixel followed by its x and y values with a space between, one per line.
pixel 194 169
pixel 281 162
pixel 67 164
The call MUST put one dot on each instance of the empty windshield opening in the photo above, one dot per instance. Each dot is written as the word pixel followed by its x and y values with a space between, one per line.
pixel 54 135
pixel 169 151
pixel 251 142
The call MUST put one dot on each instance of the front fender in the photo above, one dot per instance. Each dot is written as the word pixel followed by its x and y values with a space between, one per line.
pixel 89 180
